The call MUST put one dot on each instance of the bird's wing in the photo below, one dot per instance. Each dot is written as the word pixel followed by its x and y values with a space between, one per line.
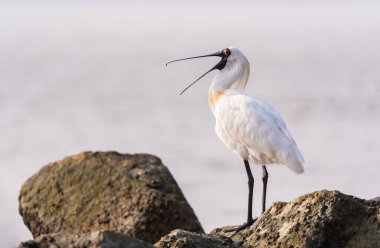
pixel 271 111
pixel 259 127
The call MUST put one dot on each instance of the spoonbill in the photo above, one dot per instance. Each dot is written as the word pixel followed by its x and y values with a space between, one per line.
pixel 247 125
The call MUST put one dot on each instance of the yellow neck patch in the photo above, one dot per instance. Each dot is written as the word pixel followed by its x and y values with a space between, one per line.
pixel 214 96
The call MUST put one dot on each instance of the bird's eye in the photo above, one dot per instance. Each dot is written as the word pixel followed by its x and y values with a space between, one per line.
pixel 226 52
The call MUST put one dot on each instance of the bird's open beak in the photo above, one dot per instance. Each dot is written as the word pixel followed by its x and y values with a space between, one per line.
pixel 219 66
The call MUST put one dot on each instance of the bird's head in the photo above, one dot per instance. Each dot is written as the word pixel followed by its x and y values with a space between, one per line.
pixel 233 68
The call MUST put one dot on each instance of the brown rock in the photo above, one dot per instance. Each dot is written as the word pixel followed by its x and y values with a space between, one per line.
pixel 97 239
pixel 185 239
pixel 90 191
pixel 320 219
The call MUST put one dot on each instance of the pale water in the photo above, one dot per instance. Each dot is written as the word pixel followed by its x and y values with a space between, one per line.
pixel 86 76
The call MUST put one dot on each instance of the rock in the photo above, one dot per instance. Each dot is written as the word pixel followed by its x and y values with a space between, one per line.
pixel 376 199
pixel 320 219
pixel 185 239
pixel 133 194
pixel 97 239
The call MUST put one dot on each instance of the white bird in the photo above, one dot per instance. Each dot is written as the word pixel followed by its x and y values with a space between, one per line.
pixel 247 125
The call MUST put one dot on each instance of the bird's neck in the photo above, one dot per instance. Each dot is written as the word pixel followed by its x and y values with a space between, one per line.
pixel 213 97
pixel 226 81
pixel 215 94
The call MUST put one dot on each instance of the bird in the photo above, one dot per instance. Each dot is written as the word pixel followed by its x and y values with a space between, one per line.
pixel 249 126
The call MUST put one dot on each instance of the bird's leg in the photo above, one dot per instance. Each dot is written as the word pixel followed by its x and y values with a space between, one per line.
pixel 251 181
pixel 265 181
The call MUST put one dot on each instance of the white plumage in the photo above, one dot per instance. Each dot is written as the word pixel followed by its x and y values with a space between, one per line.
pixel 255 131
pixel 247 125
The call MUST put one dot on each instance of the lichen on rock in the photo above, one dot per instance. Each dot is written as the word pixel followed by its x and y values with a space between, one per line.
pixel 107 199
pixel 97 239
pixel 320 219
pixel 185 239
pixel 133 194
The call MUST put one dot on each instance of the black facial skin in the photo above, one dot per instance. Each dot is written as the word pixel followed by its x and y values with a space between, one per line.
pixel 222 63
pixel 224 54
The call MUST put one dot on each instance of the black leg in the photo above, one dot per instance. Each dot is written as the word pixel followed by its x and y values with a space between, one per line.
pixel 265 181
pixel 251 181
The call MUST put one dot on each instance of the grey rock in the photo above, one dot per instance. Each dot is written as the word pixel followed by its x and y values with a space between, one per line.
pixel 97 239
pixel 376 199
pixel 133 194
pixel 320 219
pixel 185 239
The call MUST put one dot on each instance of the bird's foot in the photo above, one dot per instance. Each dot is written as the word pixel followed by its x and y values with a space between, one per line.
pixel 242 227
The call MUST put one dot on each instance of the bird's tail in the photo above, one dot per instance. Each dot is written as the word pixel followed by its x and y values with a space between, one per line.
pixel 294 161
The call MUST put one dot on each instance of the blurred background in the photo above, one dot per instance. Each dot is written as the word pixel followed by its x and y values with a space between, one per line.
pixel 91 75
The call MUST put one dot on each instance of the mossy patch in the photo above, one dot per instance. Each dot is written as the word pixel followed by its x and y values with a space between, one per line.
pixel 91 191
